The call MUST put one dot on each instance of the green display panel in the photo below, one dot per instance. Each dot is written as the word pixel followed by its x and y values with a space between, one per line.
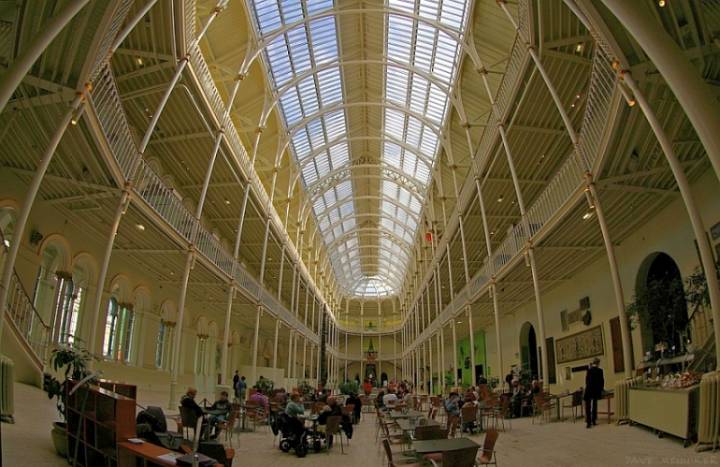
pixel 463 354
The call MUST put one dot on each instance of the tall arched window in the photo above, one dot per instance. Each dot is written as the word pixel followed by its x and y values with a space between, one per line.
pixel 111 320
pixel 201 354
pixel 128 327
pixel 160 344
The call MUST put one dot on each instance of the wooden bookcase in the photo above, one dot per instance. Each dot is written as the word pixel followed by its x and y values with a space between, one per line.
pixel 97 420
pixel 127 390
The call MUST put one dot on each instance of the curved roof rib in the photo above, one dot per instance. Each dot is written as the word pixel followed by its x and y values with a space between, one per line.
pixel 369 236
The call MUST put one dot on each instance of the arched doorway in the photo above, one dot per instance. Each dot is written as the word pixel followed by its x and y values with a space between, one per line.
pixel 660 297
pixel 528 349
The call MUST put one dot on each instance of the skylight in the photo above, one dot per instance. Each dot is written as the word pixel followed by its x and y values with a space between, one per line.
pixel 302 55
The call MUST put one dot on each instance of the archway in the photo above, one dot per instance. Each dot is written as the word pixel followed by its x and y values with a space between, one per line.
pixel 660 295
pixel 528 349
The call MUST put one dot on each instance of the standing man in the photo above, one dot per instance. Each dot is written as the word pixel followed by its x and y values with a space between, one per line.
pixel 594 386
pixel 236 380
pixel 241 388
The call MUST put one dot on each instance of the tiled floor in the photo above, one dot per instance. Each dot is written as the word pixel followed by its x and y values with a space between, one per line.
pixel 27 442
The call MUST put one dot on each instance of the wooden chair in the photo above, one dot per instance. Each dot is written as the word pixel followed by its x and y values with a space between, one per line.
pixel 458 458
pixel 349 410
pixel 469 417
pixel 487 455
pixel 505 412
pixel 333 428
pixel 574 404
pixel 489 411
pixel 226 427
pixel 542 406
pixel 389 454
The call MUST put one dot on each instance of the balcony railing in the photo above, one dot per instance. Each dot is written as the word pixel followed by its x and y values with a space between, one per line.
pixel 567 182
pixel 166 203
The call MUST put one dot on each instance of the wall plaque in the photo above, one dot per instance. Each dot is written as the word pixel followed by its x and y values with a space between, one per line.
pixel 584 344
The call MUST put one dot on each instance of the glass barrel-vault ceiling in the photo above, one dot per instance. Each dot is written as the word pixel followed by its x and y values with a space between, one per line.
pixel 303 57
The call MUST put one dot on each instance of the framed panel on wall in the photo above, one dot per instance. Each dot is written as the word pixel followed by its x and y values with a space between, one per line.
pixel 584 344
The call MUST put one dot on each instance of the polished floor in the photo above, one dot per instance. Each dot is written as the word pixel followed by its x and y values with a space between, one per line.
pixel 27 442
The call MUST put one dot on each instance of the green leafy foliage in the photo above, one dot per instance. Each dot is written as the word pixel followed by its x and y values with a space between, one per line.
pixel 349 387
pixel 265 385
pixel 73 364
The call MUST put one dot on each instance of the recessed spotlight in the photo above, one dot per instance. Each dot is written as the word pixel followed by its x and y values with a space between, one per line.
pixel 500 199
pixel 139 60
pixel 492 233
pixel 227 201
pixel 140 227
pixel 7 243
pixel 172 273
pixel 662 3
pixel 459 322
pixel 587 215
pixel 579 47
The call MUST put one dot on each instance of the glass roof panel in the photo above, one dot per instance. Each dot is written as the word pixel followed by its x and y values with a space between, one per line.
pixel 423 57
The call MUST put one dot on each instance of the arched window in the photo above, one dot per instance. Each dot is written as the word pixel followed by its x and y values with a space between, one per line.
pixel 110 328
pixel 127 329
pixel 68 307
pixel 201 354
pixel 160 344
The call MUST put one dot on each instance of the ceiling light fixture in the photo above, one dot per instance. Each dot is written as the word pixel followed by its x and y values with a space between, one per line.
pixel 500 199
pixel 587 215
pixel 227 201
pixel 140 227
pixel 579 47
pixel 139 60
pixel 662 3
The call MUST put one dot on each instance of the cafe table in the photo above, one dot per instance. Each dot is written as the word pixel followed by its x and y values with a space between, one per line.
pixel 407 424
pixel 395 415
pixel 427 446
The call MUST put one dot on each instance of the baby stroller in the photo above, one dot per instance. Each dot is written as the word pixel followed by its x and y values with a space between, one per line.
pixel 293 434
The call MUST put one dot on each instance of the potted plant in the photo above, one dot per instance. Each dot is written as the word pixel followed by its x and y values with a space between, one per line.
pixel 264 385
pixel 349 387
pixel 72 364
pixel 306 390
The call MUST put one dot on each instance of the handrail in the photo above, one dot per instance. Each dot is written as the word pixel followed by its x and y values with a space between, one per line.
pixel 23 314
pixel 165 202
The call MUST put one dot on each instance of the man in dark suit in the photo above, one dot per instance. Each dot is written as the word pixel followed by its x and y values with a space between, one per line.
pixel 594 385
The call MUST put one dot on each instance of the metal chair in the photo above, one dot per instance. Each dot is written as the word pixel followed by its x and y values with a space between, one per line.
pixel 389 454
pixel 469 417
pixel 487 455
pixel 576 402
pixel 332 428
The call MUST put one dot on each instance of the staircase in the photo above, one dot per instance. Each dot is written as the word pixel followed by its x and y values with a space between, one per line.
pixel 25 323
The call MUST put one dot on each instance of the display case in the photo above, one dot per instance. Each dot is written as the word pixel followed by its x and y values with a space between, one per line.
pixel 668 410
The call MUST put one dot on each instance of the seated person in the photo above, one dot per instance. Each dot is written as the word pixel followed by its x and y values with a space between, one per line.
pixel 294 410
pixel 222 404
pixel 357 403
pixel 188 401
pixel 470 398
pixel 334 409
pixel 379 400
pixel 390 399
pixel 452 404
pixel 261 400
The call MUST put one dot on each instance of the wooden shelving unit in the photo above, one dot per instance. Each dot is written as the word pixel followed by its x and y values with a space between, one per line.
pixel 97 420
